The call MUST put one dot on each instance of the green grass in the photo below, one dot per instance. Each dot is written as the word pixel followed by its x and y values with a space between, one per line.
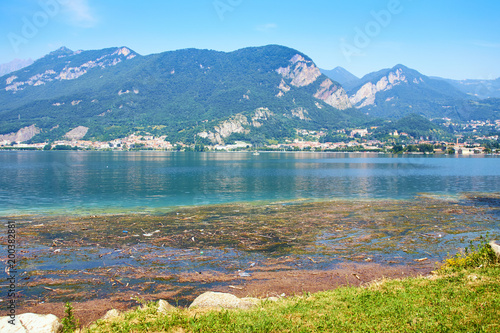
pixel 460 298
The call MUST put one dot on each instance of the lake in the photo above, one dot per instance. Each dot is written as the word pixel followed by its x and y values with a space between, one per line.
pixel 101 182
pixel 150 225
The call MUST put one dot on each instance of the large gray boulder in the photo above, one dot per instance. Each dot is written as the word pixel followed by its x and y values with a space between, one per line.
pixel 212 299
pixel 31 323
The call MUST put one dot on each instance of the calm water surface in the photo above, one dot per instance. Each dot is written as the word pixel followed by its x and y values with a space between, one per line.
pixel 51 182
pixel 187 250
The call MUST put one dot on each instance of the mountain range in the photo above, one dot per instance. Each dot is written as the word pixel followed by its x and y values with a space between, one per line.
pixel 267 91
pixel 254 94
pixel 481 89
pixel 396 92
pixel 14 65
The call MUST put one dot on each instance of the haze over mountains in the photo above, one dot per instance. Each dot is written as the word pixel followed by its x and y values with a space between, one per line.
pixel 477 88
pixel 14 65
pixel 251 94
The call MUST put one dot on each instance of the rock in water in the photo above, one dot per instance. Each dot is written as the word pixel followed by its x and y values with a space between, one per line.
pixel 221 300
pixel 31 323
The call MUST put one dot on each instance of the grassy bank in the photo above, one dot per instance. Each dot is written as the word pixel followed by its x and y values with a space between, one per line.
pixel 461 297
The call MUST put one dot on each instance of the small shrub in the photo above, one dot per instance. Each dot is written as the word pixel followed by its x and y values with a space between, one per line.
pixel 69 322
pixel 473 257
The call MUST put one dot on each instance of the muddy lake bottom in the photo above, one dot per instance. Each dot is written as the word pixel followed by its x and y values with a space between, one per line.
pixel 256 249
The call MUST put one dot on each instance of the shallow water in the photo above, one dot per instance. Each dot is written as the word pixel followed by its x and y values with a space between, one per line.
pixel 199 248
pixel 107 224
pixel 127 182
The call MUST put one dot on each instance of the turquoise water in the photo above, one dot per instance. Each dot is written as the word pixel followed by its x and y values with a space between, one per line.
pixel 85 182
pixel 201 248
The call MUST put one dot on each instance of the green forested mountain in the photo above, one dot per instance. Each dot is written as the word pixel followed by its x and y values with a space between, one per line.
pixel 267 91
pixel 415 126
pixel 255 94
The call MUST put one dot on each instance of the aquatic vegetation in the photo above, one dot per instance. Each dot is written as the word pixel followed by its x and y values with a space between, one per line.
pixel 188 248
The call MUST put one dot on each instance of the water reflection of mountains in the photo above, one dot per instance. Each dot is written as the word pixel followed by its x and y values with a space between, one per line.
pixel 135 181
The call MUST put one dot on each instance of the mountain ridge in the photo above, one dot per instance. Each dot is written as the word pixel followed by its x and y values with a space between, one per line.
pixel 481 89
pixel 341 75
pixel 254 94
pixel 399 91
pixel 115 91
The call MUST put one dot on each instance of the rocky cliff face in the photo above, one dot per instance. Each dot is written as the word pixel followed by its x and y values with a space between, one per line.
pixel 70 71
pixel 261 115
pixel 303 73
pixel 24 134
pixel 77 133
pixel 367 93
pixel 236 124
pixel 333 95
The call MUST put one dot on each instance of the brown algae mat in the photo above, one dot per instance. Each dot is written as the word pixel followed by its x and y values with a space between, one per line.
pixel 257 249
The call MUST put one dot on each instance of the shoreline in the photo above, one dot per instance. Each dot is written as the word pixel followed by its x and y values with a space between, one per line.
pixel 271 284
pixel 375 151
pixel 245 249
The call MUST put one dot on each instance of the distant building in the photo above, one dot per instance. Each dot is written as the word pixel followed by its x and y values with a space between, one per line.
pixel 360 132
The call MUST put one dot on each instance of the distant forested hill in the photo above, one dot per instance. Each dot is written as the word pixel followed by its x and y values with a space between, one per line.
pixel 264 91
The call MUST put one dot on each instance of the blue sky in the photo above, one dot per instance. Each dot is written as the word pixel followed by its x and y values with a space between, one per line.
pixel 454 39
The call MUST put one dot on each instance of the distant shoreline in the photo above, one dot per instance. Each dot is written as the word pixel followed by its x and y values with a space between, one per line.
pixel 263 151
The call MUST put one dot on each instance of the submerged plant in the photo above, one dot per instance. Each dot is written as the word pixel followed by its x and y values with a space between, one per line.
pixel 474 256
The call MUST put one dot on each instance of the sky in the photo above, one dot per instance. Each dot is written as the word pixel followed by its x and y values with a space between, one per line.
pixel 452 39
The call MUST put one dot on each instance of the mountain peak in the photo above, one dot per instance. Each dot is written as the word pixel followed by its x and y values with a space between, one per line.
pixel 400 66
pixel 341 75
pixel 61 52
pixel 401 90
pixel 123 50
pixel 409 72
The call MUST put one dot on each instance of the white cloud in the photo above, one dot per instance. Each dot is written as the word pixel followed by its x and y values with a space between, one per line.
pixel 79 12
pixel 266 27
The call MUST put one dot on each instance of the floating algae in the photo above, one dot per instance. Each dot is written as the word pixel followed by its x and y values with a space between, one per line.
pixel 177 252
